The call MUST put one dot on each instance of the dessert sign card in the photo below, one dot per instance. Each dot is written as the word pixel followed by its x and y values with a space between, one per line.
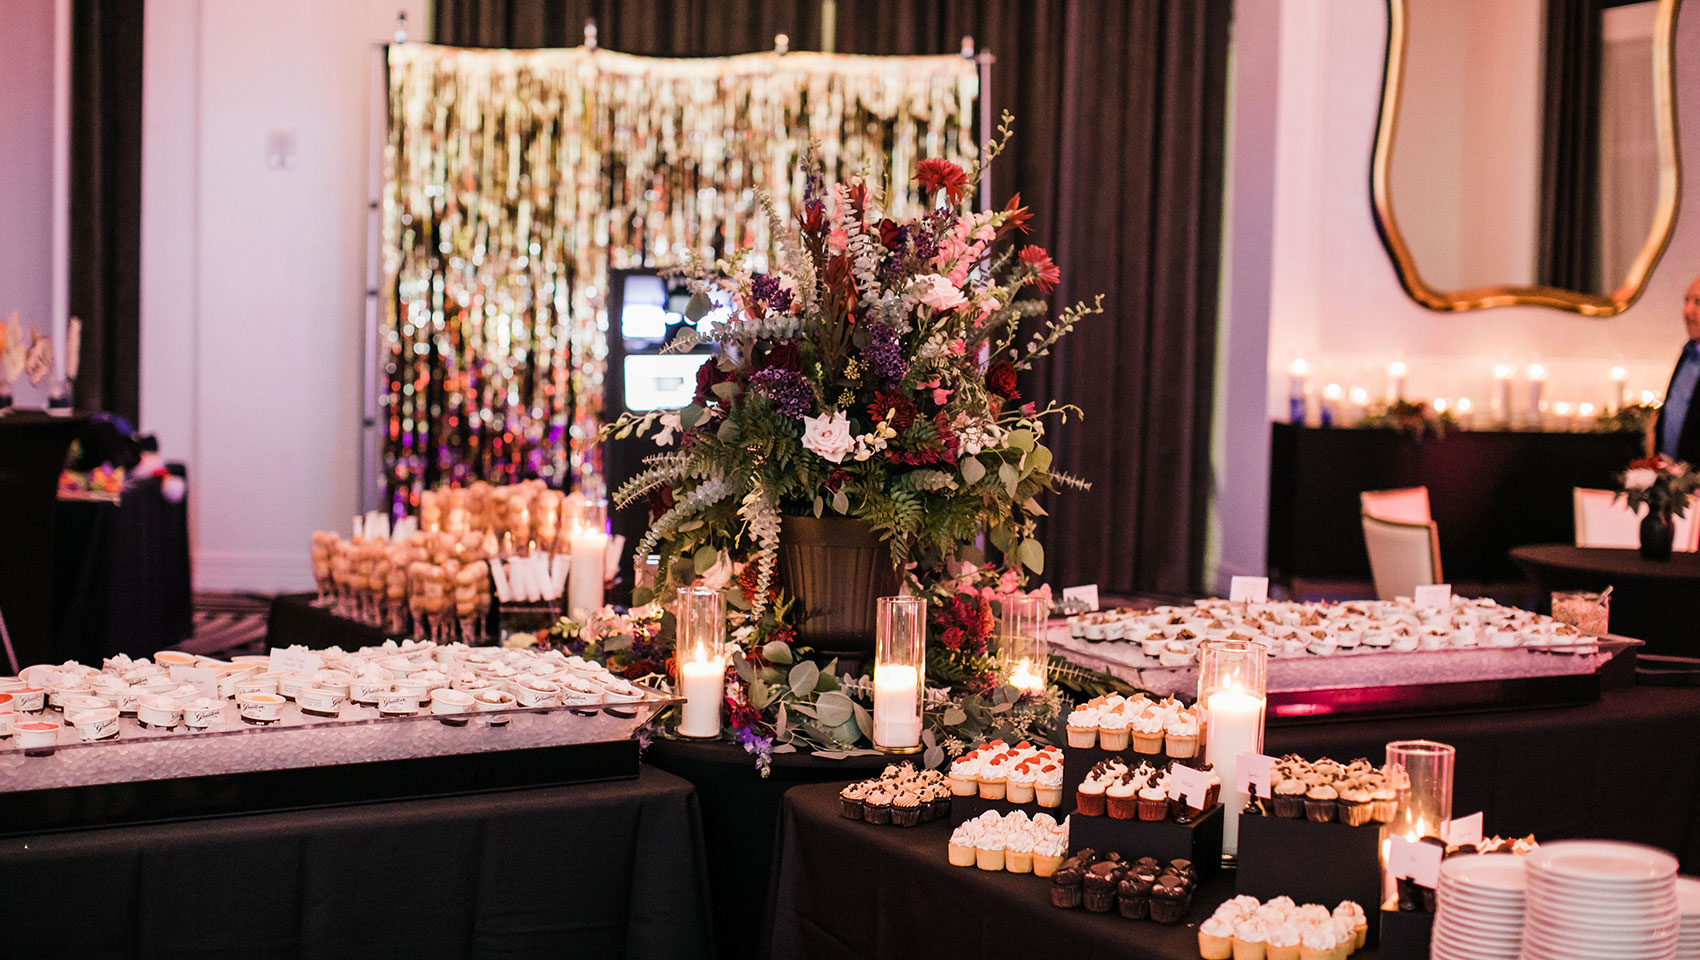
pixel 1248 590
pixel 1194 783
pixel 204 679
pixel 1254 769
pixel 1087 595
pixel 302 662
pixel 1434 597
pixel 1414 859
pixel 1465 830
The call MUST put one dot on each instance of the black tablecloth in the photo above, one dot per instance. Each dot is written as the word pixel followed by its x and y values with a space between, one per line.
pixel 121 574
pixel 1490 490
pixel 595 870
pixel 1653 600
pixel 32 454
pixel 740 812
pixel 294 619
pixel 847 890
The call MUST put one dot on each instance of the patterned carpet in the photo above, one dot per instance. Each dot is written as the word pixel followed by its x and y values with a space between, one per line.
pixel 229 624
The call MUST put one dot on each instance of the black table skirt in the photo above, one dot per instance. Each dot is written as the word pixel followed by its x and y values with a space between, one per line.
pixel 740 812
pixel 847 890
pixel 595 870
pixel 1653 600
pixel 294 619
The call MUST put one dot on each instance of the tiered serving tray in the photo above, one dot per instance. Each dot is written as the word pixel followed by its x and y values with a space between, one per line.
pixel 300 761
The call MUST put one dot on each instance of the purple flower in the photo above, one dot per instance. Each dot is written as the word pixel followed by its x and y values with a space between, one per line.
pixel 789 390
pixel 757 746
pixel 883 355
pixel 767 290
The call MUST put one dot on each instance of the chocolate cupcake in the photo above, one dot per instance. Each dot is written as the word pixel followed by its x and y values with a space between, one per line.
pixel 1171 898
pixel 1066 886
pixel 1100 885
pixel 906 809
pixel 876 806
pixel 1289 799
pixel 1185 870
pixel 850 800
pixel 1355 805
pixel 1322 803
pixel 1133 898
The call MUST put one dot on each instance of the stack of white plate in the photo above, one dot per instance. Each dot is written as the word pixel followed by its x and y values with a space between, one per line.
pixel 1479 908
pixel 1688 902
pixel 1599 900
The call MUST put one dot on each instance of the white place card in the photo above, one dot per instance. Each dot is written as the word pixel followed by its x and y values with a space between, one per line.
pixel 1194 783
pixel 293 660
pixel 1248 590
pixel 1253 774
pixel 1414 859
pixel 1465 830
pixel 1087 595
pixel 1434 597
pixel 204 679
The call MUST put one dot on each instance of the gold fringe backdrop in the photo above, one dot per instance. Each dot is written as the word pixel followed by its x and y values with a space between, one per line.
pixel 514 180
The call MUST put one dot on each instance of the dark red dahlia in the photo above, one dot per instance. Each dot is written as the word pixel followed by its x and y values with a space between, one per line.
pixel 892 408
pixel 1000 379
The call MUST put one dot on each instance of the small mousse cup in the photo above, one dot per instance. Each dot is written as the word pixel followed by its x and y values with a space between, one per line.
pixel 395 703
pixel 491 699
pixel 260 708
pixel 100 723
pixel 446 703
pixel 36 737
pixel 154 711
pixel 202 712
pixel 321 701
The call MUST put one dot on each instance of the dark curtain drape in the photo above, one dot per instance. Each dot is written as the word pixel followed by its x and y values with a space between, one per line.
pixel 106 201
pixel 1120 108
pixel 1570 146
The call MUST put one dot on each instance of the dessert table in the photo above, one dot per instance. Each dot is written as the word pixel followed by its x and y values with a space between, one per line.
pixel 1657 601
pixel 32 454
pixel 591 870
pixel 1623 768
pixel 1489 490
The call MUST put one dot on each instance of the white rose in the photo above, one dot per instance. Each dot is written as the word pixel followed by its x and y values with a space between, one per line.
pixel 1640 478
pixel 829 438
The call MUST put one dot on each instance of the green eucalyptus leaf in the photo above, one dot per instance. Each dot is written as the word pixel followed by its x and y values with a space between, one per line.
pixel 929 738
pixel 1022 439
pixel 1032 555
pixel 826 682
pixel 1008 474
pixel 803 677
pixel 806 709
pixel 771 674
pixel 819 506
pixel 1039 460
pixel 973 471
pixel 729 431
pixel 777 651
pixel 864 722
pixel 779 722
pixel 725 389
pixel 760 697
pixel 932 757
pixel 746 669
pixel 691 416
pixel 1000 708
pixel 698 306
pixel 688 527
pixel 840 502
pixel 1000 538
pixel 953 716
pixel 831 754
pixel 704 559
pixel 784 748
pixel 835 708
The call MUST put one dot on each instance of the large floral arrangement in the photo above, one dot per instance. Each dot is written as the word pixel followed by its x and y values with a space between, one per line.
pixel 1660 484
pixel 872 374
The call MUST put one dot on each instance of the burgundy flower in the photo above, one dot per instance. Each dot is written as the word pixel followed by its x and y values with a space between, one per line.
pixel 708 375
pixel 894 408
pixel 836 479
pixel 934 175
pixel 660 501
pixel 783 356
pixel 1018 217
pixel 1044 269
pixel 1000 379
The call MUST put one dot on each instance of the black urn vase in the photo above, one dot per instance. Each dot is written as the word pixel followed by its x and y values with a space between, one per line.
pixel 1658 533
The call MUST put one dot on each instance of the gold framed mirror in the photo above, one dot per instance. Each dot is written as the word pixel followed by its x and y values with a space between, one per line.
pixel 1526 151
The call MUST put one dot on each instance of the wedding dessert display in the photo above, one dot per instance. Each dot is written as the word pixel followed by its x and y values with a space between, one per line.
pixel 901 796
pixel 1014 842
pixel 1282 930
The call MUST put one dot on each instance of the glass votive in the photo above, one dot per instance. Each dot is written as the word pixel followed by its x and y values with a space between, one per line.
pixel 589 546
pixel 701 657
pixel 900 667
pixel 1420 772
pixel 1233 689
pixel 1586 611
pixel 1023 645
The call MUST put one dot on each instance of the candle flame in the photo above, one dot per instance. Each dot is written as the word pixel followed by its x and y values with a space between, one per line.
pixel 1332 391
pixel 1397 368
pixel 1618 373
pixel 1502 371
pixel 1299 367
pixel 1464 405
pixel 1537 372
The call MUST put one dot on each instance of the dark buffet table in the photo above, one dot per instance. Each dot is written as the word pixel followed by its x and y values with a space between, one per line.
pixel 592 870
pixel 295 619
pixel 1657 601
pixel 1624 768
pixel 1489 491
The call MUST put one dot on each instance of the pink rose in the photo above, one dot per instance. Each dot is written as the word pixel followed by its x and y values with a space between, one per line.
pixel 941 294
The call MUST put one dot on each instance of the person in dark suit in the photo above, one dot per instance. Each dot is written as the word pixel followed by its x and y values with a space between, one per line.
pixel 1677 431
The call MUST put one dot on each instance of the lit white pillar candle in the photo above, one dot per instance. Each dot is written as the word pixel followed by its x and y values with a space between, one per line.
pixel 1397 373
pixel 1465 411
pixel 589 555
pixel 1502 393
pixel 1537 394
pixel 1619 388
pixel 1298 386
pixel 704 687
pixel 1565 415
pixel 1360 404
pixel 1331 397
pixel 1236 727
pixel 897 705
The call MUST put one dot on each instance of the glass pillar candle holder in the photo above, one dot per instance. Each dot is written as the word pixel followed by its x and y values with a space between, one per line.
pixel 1023 645
pixel 1420 772
pixel 1232 688
pixel 588 536
pixel 701 655
pixel 900 666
